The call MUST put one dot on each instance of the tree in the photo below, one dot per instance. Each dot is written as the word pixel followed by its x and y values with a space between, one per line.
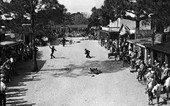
pixel 94 19
pixel 68 19
pixel 51 11
pixel 44 12
pixel 36 12
pixel 78 19
pixel 160 14
pixel 124 8
pixel 140 10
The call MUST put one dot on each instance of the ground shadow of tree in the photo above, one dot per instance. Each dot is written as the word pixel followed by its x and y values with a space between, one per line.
pixel 72 70
pixel 16 88
pixel 39 54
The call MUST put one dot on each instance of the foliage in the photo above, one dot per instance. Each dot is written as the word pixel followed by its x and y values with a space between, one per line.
pixel 161 13
pixel 94 19
pixel 136 11
pixel 44 12
pixel 78 18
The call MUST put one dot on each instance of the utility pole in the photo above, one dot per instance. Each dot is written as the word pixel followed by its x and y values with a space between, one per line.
pixel 35 66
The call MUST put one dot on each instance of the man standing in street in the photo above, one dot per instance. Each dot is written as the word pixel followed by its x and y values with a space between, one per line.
pixel 52 51
pixel 2 93
pixel 64 41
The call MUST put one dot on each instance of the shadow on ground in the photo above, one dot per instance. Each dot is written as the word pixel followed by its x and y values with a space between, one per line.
pixel 39 54
pixel 71 70
pixel 16 88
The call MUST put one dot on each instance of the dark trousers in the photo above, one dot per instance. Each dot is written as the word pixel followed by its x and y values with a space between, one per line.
pixel 88 55
pixel 132 64
pixel 2 98
pixel 137 67
pixel 52 56
pixel 63 44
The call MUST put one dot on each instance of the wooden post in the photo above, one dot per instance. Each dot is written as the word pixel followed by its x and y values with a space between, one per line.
pixel 35 66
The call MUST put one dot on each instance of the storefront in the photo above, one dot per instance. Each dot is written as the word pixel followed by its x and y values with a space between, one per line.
pixel 10 48
pixel 141 46
pixel 161 52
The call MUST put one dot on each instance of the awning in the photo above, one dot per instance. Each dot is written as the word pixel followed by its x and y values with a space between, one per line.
pixel 164 48
pixel 10 43
pixel 144 42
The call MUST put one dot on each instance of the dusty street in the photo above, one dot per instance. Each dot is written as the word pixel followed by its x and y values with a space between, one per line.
pixel 64 81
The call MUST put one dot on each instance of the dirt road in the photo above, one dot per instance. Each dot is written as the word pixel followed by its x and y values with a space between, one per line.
pixel 65 81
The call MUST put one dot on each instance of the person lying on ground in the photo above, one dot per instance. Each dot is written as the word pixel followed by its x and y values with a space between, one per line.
pixel 95 71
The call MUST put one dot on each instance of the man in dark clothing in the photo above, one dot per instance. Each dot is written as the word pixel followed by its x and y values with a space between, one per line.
pixel 87 52
pixel 52 51
pixel 64 41
pixel 2 93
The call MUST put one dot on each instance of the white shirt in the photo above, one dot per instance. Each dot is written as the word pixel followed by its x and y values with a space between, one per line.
pixel 2 87
pixel 148 75
pixel 157 88
pixel 130 52
pixel 149 61
pixel 11 60
pixel 150 83
pixel 167 82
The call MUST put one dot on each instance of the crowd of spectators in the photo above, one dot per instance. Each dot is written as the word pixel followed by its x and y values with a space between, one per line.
pixel 154 74
pixel 10 57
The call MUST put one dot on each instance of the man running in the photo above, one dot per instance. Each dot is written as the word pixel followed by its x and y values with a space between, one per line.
pixel 52 51
pixel 87 52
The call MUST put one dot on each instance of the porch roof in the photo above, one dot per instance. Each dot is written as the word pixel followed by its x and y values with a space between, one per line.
pixel 144 42
pixel 164 47
pixel 10 43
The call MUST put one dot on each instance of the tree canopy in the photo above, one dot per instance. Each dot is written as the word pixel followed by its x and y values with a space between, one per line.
pixel 135 10
pixel 45 11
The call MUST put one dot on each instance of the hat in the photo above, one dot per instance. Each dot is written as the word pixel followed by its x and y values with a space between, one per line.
pixel 152 72
pixel 2 79
pixel 166 65
pixel 2 75
pixel 149 69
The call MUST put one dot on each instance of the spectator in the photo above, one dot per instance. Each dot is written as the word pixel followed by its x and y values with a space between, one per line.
pixel 163 66
pixel 132 56
pixel 2 93
pixel 12 65
pixel 149 74
pixel 149 61
pixel 150 96
pixel 165 73
pixel 157 91
pixel 138 61
pixel 167 86
pixel 136 53
pixel 155 63
pixel 143 70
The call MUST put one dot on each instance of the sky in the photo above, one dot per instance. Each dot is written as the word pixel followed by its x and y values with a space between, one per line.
pixel 74 6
